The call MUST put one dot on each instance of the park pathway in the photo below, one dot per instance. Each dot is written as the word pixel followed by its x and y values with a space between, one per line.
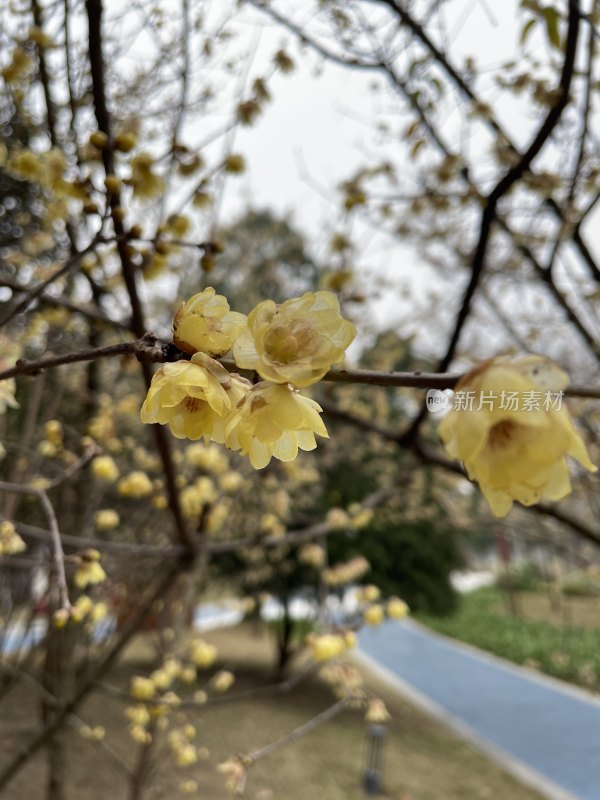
pixel 545 732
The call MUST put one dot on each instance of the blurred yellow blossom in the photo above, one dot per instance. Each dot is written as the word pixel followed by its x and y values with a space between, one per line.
pixel 377 712
pixel 327 646
pixel 202 653
pixel 296 342
pixel 139 714
pixel 396 608
pixel 89 570
pixel 337 519
pixel 235 774
pixel 136 484
pixel 313 555
pixel 222 680
pixel 142 688
pixel 10 541
pixel 146 184
pixel 95 734
pixel 106 519
pixel 105 468
pixel 373 615
pixel 7 395
pixel 515 450
pixel 204 323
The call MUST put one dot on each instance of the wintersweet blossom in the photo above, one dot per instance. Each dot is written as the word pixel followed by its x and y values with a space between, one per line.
pixel 377 712
pixel 89 570
pixel 396 608
pixel 193 398
pixel 204 323
pixel 10 541
pixel 106 519
pixel 136 484
pixel 105 468
pixel 515 450
pixel 142 688
pixel 222 680
pixel 295 342
pixel 7 395
pixel 327 646
pixel 373 615
pixel 202 653
pixel 274 420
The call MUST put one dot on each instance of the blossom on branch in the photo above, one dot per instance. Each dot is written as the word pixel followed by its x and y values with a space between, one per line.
pixel 514 450
pixel 204 323
pixel 193 398
pixel 274 420
pixel 296 342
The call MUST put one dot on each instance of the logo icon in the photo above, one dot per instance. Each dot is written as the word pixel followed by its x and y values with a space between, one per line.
pixel 438 400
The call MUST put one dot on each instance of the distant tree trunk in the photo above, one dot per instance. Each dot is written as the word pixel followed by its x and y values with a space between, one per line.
pixel 57 680
pixel 504 551
pixel 142 772
pixel 284 640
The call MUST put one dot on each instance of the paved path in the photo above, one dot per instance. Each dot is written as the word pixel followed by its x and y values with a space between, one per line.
pixel 545 732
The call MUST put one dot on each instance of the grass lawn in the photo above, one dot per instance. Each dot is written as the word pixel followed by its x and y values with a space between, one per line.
pixel 561 640
pixel 423 761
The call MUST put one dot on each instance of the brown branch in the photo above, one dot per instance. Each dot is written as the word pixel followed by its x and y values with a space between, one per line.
pixel 512 176
pixel 417 30
pixel 144 347
pixel 94 15
pixel 126 548
pixel 147 351
pixel 301 730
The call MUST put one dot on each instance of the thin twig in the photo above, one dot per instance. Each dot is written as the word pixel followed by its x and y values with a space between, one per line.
pixel 58 555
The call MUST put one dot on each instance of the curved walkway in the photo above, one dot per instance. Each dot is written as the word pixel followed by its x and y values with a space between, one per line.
pixel 543 731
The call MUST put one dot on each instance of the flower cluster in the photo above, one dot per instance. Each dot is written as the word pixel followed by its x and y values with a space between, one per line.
pixel 290 346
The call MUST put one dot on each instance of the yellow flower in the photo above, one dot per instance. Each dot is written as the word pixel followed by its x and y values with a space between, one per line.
pixel 337 519
pixel 7 395
pixel 327 646
pixel 396 608
pixel 146 184
pixel 222 681
pixel 274 420
pixel 142 688
pixel 377 712
pixel 139 714
pixel 206 324
pixel 296 342
pixel 10 541
pixel 89 570
pixel 313 555
pixel 369 593
pixel 515 445
pixel 203 654
pixel 373 615
pixel 95 734
pixel 140 734
pixel 137 485
pixel 106 519
pixel 105 468
pixel 193 398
